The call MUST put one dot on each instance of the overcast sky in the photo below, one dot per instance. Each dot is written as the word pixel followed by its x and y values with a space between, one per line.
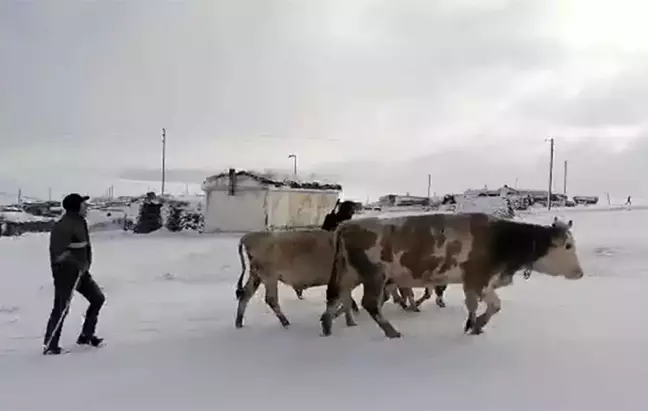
pixel 378 93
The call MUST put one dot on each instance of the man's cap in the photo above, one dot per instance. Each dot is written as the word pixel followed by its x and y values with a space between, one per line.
pixel 72 202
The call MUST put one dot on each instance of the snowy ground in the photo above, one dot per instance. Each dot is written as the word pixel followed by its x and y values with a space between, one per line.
pixel 168 321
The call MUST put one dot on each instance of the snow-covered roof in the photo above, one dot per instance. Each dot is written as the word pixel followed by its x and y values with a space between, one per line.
pixel 278 180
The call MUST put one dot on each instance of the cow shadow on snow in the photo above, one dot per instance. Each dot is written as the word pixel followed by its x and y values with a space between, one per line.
pixel 439 324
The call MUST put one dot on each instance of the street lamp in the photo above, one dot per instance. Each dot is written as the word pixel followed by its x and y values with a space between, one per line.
pixel 294 157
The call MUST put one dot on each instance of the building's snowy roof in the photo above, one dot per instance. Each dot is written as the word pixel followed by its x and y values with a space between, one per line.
pixel 279 180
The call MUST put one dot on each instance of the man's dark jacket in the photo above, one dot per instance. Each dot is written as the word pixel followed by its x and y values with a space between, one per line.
pixel 70 242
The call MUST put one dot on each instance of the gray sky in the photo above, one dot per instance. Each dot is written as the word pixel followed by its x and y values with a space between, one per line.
pixel 376 93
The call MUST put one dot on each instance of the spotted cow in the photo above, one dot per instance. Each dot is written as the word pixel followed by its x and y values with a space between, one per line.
pixel 301 259
pixel 479 251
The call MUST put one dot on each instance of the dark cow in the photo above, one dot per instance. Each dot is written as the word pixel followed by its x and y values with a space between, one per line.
pixel 479 251
pixel 342 211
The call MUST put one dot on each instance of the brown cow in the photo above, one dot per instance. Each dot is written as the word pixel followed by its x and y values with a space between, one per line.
pixel 301 259
pixel 481 252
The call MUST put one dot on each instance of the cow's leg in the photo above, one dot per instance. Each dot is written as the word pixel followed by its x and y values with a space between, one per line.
pixel 374 287
pixel 439 290
pixel 397 296
pixel 386 294
pixel 252 285
pixel 408 294
pixel 299 291
pixel 333 293
pixel 272 299
pixel 392 289
pixel 493 306
pixel 353 305
pixel 426 296
pixel 389 290
pixel 472 303
pixel 347 304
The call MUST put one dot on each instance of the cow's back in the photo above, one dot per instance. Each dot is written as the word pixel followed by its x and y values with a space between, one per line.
pixel 418 248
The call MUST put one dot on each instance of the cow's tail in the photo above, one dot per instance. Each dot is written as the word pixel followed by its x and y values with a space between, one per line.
pixel 333 288
pixel 239 285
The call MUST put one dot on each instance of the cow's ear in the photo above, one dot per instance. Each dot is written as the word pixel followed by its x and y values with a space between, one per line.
pixel 570 224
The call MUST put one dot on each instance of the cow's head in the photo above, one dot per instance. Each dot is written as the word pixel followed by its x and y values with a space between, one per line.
pixel 559 258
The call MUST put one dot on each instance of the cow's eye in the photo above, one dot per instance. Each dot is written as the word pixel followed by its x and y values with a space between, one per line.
pixel 568 246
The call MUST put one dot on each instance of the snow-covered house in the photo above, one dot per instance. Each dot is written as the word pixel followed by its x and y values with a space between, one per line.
pixel 241 201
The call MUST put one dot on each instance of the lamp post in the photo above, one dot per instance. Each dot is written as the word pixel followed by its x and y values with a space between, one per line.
pixel 294 157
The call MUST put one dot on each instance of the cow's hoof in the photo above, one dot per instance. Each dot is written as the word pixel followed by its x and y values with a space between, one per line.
pixel 476 331
pixel 351 323
pixel 326 324
pixel 440 303
pixel 475 325
pixel 470 323
pixel 284 323
pixel 393 334
pixel 413 309
pixel 238 325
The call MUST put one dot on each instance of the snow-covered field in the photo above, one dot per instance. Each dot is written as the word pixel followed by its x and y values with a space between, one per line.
pixel 172 345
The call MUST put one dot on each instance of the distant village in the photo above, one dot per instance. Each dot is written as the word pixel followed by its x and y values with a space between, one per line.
pixel 521 199
pixel 229 203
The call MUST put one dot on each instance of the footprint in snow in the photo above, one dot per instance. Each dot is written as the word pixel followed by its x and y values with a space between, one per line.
pixel 604 252
pixel 168 276
pixel 9 309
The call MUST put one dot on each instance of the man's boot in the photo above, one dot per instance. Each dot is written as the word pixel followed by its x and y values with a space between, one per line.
pixel 89 340
pixel 52 351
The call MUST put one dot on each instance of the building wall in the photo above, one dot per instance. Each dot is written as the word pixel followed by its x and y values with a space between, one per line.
pixel 242 212
pixel 258 206
pixel 299 208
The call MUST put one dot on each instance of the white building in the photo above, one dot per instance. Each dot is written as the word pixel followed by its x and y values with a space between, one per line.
pixel 242 201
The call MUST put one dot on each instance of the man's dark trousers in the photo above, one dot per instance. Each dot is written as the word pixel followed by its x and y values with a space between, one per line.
pixel 65 275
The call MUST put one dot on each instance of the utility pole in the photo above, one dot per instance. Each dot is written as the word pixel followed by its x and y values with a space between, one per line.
pixel 163 159
pixel 565 182
pixel 429 187
pixel 551 161
pixel 294 157
pixel 49 194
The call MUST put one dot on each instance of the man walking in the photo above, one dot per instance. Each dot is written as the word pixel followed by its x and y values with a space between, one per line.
pixel 70 259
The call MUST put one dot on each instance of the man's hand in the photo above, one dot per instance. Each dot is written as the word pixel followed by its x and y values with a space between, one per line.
pixel 64 256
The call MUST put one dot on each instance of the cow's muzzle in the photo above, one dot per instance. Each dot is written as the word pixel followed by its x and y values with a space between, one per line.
pixel 575 274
